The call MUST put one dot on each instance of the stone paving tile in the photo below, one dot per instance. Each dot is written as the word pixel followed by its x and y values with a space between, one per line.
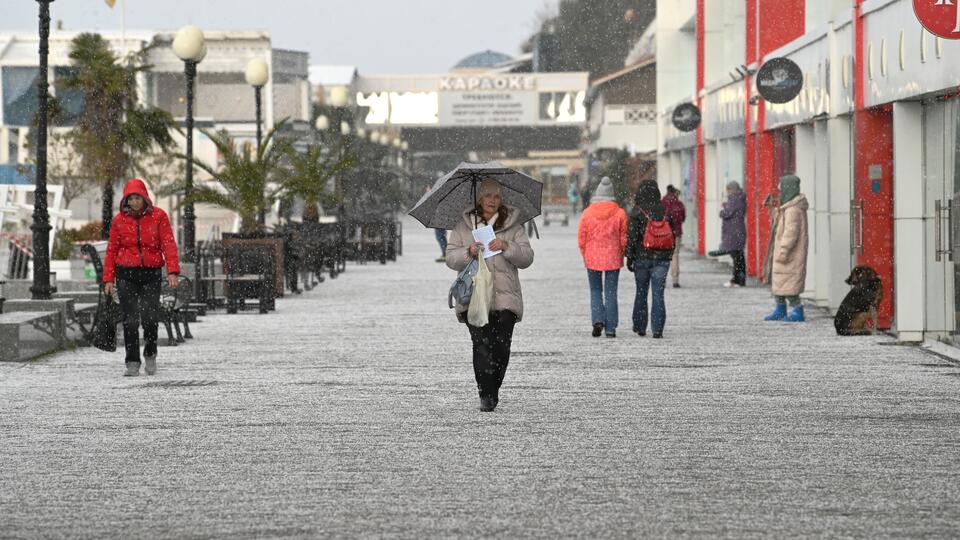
pixel 351 411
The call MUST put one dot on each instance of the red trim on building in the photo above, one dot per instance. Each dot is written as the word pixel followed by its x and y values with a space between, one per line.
pixel 701 165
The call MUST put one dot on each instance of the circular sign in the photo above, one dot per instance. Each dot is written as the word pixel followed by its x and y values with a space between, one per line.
pixel 779 80
pixel 686 117
pixel 939 17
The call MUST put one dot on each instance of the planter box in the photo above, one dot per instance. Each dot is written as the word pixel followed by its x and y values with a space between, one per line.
pixel 71 269
pixel 274 242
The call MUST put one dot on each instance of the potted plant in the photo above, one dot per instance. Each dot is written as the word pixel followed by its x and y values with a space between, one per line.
pixel 66 261
pixel 243 185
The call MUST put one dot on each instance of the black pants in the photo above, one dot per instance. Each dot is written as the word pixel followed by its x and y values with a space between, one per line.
pixel 491 351
pixel 739 268
pixel 139 291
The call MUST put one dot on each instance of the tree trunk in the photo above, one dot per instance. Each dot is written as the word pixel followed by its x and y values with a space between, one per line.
pixel 310 211
pixel 107 210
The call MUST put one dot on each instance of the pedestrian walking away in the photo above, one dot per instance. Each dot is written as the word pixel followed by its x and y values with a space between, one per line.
pixel 492 342
pixel 789 252
pixel 141 244
pixel 678 214
pixel 441 235
pixel 649 266
pixel 733 232
pixel 602 237
pixel 573 196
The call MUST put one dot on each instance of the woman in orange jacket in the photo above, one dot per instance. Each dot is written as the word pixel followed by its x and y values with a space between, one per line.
pixel 141 243
pixel 602 236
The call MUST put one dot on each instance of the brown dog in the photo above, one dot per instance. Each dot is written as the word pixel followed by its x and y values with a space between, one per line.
pixel 860 304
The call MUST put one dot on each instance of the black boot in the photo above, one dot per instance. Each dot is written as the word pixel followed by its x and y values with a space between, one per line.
pixel 487 404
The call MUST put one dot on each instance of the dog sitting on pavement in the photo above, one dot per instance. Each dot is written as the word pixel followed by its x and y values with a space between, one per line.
pixel 860 304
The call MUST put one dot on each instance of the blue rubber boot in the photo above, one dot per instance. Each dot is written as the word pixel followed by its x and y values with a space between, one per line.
pixel 779 313
pixel 796 314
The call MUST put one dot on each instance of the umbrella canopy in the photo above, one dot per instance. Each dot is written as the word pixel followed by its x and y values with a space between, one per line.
pixel 454 192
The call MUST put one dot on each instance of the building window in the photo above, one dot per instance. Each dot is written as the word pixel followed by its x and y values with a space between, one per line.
pixel 19 95
pixel 923 46
pixel 845 72
pixel 870 61
pixel 70 99
pixel 883 57
pixel 903 51
pixel 939 43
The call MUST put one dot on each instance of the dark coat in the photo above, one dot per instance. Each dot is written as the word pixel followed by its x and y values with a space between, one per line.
pixel 647 199
pixel 677 212
pixel 733 231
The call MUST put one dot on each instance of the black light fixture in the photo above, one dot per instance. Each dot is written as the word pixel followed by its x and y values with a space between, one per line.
pixel 41 289
pixel 188 45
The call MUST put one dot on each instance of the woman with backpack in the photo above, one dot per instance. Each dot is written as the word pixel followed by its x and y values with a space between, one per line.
pixel 491 342
pixel 650 248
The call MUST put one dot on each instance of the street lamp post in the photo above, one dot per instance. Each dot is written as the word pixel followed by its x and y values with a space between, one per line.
pixel 188 45
pixel 339 98
pixel 257 76
pixel 41 218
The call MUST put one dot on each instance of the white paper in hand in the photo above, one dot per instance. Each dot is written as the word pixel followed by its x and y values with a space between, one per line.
pixel 485 235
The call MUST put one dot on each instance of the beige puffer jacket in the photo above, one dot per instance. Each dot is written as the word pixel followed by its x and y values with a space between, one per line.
pixel 503 267
pixel 790 249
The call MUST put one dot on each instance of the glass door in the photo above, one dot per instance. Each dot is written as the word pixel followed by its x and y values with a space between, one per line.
pixel 942 203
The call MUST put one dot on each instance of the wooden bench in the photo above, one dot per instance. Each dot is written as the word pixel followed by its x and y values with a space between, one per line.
pixel 13 348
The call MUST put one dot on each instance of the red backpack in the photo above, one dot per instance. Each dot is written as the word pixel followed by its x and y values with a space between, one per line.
pixel 658 235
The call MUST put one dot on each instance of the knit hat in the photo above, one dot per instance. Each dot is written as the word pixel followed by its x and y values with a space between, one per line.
pixel 488 186
pixel 604 191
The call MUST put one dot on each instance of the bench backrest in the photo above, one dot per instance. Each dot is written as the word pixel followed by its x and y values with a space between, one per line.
pixel 91 252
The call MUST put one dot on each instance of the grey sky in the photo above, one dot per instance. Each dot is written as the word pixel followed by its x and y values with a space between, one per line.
pixel 378 36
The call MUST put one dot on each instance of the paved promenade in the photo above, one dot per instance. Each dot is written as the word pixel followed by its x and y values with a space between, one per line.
pixel 351 412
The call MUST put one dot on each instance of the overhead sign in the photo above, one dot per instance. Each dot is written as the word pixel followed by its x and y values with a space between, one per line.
pixel 686 117
pixel 488 82
pixel 939 17
pixel 488 108
pixel 779 80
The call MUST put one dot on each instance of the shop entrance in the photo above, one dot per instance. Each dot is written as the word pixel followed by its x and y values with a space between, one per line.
pixel 941 134
pixel 871 209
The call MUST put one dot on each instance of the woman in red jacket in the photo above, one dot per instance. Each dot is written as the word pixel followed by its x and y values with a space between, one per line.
pixel 141 242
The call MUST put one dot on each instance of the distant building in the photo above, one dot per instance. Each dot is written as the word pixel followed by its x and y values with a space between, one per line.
pixel 224 100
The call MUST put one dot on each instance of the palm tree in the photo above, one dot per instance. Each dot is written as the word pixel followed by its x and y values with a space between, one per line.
pixel 308 174
pixel 244 178
pixel 113 129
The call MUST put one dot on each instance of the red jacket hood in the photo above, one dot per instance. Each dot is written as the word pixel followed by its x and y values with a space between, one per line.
pixel 135 186
pixel 603 209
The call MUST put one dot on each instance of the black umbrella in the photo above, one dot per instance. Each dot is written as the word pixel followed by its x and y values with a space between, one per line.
pixel 456 191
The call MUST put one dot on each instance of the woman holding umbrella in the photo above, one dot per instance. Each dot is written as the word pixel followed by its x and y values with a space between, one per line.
pixel 491 343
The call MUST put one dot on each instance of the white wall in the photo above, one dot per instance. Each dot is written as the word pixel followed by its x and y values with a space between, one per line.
pixel 806 170
pixel 841 178
pixel 908 227
pixel 676 52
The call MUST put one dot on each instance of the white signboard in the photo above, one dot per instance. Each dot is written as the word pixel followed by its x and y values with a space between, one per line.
pixel 488 108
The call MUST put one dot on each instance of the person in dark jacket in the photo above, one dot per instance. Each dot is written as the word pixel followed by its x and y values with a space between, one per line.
pixel 650 267
pixel 141 243
pixel 678 214
pixel 733 232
